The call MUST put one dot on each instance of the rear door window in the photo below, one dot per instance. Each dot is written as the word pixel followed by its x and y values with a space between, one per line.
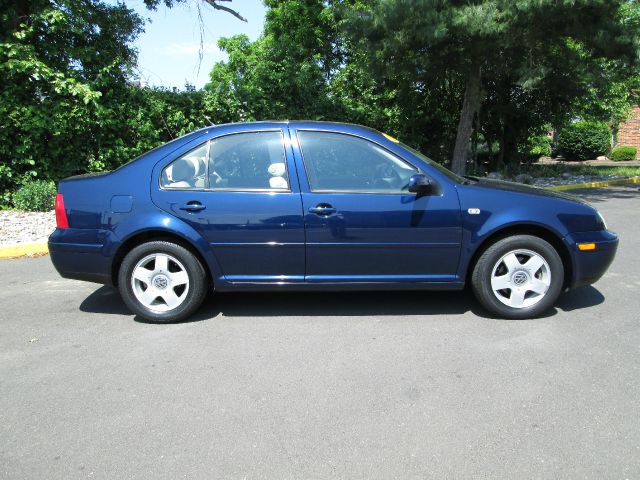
pixel 248 161
pixel 240 161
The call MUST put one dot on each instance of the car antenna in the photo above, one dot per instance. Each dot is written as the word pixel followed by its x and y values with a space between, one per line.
pixel 209 120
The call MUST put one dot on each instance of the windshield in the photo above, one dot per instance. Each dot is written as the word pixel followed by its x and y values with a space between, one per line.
pixel 437 166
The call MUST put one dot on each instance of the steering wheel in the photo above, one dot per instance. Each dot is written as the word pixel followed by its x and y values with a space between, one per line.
pixel 386 176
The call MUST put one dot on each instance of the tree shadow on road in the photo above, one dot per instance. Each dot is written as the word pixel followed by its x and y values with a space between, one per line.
pixel 597 195
pixel 106 300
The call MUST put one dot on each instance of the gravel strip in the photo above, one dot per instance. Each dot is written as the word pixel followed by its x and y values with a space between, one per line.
pixel 565 179
pixel 555 181
pixel 18 227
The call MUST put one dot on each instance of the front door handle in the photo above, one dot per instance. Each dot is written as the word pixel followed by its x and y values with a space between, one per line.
pixel 192 206
pixel 322 209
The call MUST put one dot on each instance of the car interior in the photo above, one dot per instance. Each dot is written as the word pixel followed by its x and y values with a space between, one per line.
pixel 235 162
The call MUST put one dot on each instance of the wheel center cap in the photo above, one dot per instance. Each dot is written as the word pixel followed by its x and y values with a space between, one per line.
pixel 520 278
pixel 160 282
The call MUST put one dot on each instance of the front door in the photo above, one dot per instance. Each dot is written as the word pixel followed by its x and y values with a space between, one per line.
pixel 236 190
pixel 362 225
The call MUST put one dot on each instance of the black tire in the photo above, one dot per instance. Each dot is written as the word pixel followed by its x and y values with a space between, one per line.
pixel 193 295
pixel 483 270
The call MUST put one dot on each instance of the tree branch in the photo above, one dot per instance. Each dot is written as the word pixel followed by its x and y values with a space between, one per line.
pixel 215 5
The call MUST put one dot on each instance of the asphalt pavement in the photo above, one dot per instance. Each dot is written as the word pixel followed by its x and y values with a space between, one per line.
pixel 311 386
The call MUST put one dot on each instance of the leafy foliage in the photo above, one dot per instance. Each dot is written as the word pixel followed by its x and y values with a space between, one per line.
pixel 67 104
pixel 622 154
pixel 36 196
pixel 536 147
pixel 284 74
pixel 64 70
pixel 584 140
pixel 485 78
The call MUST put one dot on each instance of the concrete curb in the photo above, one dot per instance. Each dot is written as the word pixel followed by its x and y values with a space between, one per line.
pixel 37 249
pixel 22 250
pixel 605 183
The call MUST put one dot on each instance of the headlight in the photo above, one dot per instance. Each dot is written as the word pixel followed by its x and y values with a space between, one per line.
pixel 601 220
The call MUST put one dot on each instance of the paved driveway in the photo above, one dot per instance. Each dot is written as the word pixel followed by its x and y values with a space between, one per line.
pixel 358 385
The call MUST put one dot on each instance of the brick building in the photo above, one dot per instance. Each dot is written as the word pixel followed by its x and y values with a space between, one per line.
pixel 629 131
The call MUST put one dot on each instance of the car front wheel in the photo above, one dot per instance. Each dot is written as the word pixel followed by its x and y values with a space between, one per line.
pixel 162 282
pixel 518 277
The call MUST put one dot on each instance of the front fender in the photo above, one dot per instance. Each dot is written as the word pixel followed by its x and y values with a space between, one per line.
pixel 487 212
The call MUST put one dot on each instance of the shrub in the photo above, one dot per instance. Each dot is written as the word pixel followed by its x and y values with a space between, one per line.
pixel 36 196
pixel 584 140
pixel 621 154
pixel 536 146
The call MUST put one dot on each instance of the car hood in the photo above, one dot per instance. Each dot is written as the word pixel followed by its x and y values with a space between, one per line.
pixel 520 188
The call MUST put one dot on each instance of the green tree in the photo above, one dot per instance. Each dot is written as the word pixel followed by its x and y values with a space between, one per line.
pixel 285 73
pixel 60 64
pixel 528 61
pixel 67 103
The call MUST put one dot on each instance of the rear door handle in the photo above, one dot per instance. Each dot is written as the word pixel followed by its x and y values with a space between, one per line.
pixel 192 207
pixel 322 209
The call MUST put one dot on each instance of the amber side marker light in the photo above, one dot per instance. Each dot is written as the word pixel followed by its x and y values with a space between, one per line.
pixel 586 246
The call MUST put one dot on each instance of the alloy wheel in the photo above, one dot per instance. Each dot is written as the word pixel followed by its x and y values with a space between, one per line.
pixel 521 278
pixel 160 282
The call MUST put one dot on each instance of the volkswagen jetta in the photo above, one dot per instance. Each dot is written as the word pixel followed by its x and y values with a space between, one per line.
pixel 291 206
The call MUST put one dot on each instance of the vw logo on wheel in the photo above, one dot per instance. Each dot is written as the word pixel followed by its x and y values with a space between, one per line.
pixel 160 282
pixel 520 278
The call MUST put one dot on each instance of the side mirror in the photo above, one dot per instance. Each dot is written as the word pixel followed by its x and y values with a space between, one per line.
pixel 420 184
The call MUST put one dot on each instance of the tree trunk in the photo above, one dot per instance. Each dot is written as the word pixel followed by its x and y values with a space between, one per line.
pixel 508 147
pixel 470 106
pixel 502 153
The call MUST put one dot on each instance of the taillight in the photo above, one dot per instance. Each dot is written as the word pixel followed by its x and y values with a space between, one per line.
pixel 61 213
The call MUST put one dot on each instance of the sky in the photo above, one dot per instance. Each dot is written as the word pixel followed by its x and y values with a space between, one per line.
pixel 168 49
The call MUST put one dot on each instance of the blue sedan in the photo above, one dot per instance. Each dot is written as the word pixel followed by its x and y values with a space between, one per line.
pixel 290 206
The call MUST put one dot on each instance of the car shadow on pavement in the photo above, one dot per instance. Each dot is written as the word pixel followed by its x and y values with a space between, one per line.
pixel 337 304
pixel 106 300
pixel 580 298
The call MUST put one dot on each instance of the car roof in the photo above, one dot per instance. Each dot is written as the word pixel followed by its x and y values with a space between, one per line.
pixel 308 124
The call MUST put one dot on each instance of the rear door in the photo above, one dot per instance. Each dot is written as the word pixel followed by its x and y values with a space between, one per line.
pixel 240 191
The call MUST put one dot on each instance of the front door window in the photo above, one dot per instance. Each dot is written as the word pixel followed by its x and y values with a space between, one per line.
pixel 343 163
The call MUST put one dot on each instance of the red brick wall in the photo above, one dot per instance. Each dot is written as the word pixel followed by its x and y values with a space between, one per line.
pixel 629 131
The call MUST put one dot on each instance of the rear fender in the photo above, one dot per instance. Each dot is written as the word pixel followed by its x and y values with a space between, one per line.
pixel 160 222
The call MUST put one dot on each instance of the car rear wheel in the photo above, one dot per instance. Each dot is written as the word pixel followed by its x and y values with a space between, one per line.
pixel 518 277
pixel 162 282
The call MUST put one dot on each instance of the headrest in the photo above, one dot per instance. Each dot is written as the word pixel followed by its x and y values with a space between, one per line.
pixel 277 169
pixel 183 170
pixel 278 182
pixel 198 163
